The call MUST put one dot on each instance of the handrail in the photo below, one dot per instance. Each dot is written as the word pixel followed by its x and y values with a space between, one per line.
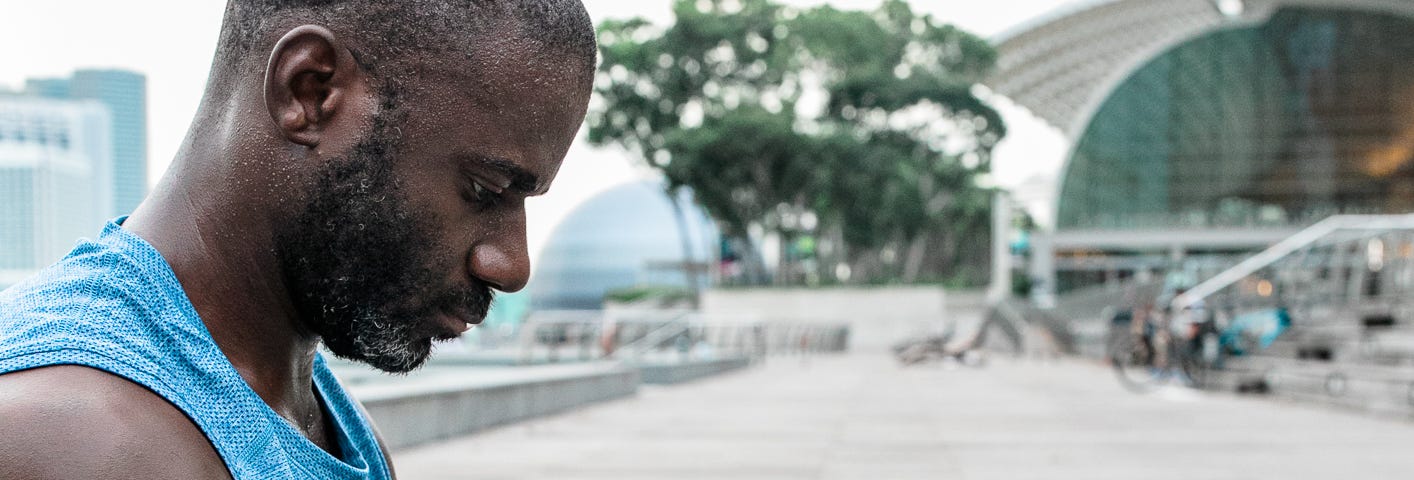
pixel 1286 247
pixel 530 330
pixel 742 334
pixel 672 327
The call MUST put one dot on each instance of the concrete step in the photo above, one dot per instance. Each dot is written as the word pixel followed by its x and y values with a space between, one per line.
pixel 670 371
pixel 452 402
pixel 1367 387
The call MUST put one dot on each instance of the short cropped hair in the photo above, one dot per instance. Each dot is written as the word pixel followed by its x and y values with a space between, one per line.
pixel 391 32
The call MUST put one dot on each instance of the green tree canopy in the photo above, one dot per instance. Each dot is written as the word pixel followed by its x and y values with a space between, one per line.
pixel 868 123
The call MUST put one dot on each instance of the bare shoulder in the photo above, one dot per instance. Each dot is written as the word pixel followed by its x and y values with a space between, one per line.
pixel 78 422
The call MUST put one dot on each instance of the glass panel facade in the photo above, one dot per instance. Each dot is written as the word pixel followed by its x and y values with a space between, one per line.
pixel 17 222
pixel 1305 116
pixel 125 95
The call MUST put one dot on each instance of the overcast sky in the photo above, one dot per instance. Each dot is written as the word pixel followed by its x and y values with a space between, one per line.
pixel 171 41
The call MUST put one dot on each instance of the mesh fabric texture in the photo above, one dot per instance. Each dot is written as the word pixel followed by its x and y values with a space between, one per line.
pixel 115 305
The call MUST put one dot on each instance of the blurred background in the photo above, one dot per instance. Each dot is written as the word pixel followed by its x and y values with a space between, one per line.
pixel 875 238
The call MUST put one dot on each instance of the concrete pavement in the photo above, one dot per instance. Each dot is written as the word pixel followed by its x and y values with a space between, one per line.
pixel 863 417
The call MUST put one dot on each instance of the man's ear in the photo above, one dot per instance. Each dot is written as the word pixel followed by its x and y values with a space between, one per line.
pixel 308 82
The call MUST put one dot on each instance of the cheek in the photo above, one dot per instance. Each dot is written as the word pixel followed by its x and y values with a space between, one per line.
pixel 451 227
pixel 432 192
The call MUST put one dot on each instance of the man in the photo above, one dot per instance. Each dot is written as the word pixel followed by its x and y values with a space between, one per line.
pixel 356 177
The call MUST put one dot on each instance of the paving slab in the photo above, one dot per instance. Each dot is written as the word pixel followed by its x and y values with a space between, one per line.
pixel 864 417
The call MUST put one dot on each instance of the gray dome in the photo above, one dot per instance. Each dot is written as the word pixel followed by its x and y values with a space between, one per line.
pixel 608 243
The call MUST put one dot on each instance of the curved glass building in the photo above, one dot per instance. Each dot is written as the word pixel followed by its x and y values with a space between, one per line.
pixel 624 237
pixel 1213 128
pixel 1308 114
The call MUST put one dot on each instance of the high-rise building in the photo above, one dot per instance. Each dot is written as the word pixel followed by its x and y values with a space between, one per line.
pixel 56 179
pixel 124 93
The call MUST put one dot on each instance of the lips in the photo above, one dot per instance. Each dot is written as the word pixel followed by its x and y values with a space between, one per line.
pixel 468 317
pixel 452 325
pixel 457 321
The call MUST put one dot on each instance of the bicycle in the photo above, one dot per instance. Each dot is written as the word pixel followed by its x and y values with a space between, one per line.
pixel 1146 353
pixel 936 348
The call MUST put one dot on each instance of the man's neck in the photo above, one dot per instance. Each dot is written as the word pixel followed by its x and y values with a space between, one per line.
pixel 222 253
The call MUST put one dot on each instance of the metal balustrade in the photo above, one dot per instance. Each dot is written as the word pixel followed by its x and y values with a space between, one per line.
pixel 554 336
pixel 1319 264
pixel 1346 283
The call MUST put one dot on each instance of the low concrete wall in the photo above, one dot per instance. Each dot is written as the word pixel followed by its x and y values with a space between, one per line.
pixel 668 373
pixel 877 317
pixel 434 407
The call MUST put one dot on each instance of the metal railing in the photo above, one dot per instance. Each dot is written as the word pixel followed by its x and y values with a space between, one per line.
pixel 1327 232
pixel 549 332
pixel 1335 278
pixel 555 336
pixel 1343 284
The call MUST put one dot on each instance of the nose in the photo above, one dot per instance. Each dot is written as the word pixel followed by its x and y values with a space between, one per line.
pixel 505 265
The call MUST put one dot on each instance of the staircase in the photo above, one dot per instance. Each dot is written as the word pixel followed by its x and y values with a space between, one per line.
pixel 1347 282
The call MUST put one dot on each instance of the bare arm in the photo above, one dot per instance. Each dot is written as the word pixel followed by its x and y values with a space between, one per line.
pixel 76 422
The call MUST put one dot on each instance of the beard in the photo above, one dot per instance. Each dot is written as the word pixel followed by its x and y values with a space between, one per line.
pixel 364 270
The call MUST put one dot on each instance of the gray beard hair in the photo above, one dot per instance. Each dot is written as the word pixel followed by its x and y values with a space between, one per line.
pixel 361 266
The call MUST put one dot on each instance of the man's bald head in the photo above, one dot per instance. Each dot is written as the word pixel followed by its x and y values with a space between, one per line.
pixel 395 38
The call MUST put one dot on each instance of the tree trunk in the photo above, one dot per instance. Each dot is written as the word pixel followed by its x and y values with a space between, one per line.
pixel 754 265
pixel 864 267
pixel 689 267
pixel 950 259
pixel 783 260
pixel 913 262
pixel 837 255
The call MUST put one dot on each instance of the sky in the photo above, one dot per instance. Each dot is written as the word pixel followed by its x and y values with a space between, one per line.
pixel 171 41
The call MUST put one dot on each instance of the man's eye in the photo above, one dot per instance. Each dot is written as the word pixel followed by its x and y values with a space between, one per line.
pixel 483 196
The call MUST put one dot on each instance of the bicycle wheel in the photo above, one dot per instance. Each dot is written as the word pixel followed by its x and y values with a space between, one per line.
pixel 1195 373
pixel 1134 361
pixel 1200 357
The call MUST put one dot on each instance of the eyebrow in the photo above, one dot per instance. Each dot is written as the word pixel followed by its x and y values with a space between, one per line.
pixel 522 181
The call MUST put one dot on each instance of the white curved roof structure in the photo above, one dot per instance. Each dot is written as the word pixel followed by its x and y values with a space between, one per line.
pixel 1062 66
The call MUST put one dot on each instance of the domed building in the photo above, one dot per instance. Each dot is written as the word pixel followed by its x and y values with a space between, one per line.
pixel 624 237
pixel 1212 128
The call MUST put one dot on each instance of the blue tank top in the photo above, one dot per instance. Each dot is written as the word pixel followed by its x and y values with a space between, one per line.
pixel 114 304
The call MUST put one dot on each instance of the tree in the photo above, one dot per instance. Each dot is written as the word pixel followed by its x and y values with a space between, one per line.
pixel 866 122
